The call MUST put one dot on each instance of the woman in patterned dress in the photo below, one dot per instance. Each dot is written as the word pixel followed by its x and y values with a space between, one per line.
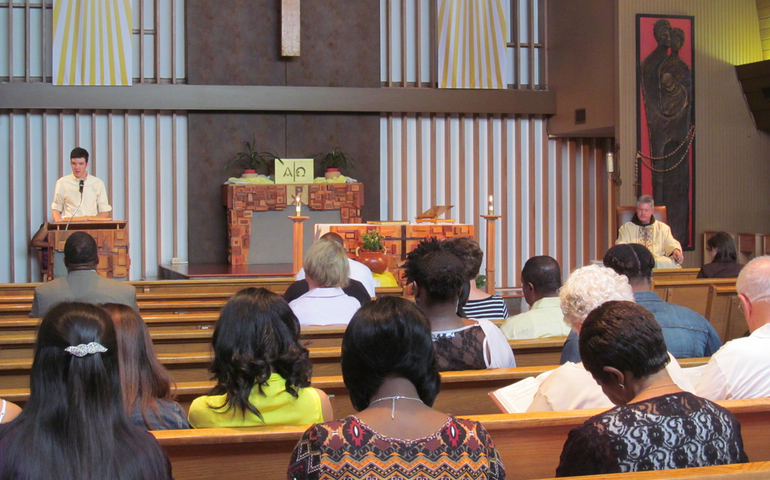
pixel 656 425
pixel 438 275
pixel 389 368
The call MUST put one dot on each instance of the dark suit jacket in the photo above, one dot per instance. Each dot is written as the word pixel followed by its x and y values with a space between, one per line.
pixel 82 286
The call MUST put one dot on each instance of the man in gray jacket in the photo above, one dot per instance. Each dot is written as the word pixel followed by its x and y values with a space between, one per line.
pixel 82 283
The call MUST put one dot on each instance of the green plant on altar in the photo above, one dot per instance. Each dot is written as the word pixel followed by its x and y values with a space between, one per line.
pixel 253 159
pixel 336 159
pixel 481 281
pixel 372 241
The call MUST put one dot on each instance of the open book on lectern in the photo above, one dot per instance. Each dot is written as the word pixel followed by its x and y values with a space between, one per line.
pixel 432 214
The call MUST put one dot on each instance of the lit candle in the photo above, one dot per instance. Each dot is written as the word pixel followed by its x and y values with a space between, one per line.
pixel 298 205
pixel 491 206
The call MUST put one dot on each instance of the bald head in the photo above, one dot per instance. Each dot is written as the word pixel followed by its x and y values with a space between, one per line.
pixel 334 237
pixel 754 280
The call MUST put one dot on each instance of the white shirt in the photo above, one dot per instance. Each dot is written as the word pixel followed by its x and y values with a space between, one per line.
pixel 545 319
pixel 67 197
pixel 740 369
pixel 358 271
pixel 324 306
pixel 572 387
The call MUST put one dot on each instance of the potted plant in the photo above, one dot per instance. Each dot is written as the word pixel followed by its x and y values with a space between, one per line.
pixel 253 160
pixel 372 252
pixel 334 161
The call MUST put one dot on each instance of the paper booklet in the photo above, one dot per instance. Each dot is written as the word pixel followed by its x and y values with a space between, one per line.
pixel 694 374
pixel 517 397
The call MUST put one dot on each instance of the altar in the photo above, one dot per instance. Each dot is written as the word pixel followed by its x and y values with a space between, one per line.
pixel 399 239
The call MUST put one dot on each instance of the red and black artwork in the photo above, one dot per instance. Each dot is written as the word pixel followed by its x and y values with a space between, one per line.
pixel 666 118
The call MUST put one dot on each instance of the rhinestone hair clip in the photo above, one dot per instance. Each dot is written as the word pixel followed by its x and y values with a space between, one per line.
pixel 85 349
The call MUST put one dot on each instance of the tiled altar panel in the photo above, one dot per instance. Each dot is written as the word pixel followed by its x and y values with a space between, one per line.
pixel 399 239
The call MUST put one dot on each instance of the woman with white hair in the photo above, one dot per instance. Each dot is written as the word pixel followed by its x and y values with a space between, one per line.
pixel 571 386
pixel 326 271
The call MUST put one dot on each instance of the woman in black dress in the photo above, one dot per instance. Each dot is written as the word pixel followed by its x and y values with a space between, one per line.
pixel 656 426
pixel 723 265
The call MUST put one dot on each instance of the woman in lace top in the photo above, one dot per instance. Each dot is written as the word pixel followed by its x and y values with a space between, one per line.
pixel 656 426
pixel 390 371
pixel 438 275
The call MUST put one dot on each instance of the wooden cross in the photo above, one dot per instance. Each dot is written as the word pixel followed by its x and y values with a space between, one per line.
pixel 290 28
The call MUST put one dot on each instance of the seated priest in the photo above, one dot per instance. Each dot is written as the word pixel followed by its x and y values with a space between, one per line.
pixel 645 230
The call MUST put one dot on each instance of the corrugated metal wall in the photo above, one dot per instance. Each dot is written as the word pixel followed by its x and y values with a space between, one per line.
pixel 732 157
pixel 551 193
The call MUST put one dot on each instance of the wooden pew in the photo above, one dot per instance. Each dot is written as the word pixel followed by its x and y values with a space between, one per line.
pixel 529 443
pixel 693 294
pixel 462 393
pixel 736 471
pixel 726 316
pixel 675 273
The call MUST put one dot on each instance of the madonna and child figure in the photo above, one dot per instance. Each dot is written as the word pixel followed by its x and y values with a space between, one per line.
pixel 667 95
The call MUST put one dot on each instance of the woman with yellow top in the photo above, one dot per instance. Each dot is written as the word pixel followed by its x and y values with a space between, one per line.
pixel 262 371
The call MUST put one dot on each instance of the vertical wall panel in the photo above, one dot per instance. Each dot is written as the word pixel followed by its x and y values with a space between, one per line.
pixel 25 41
pixel 35 150
pixel 543 188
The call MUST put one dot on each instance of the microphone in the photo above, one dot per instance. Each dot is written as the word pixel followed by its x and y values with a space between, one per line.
pixel 78 208
pixel 81 188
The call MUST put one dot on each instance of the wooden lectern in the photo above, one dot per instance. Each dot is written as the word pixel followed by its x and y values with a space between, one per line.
pixel 111 241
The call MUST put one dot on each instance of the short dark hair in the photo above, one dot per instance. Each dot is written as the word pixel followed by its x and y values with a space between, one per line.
pixel 724 244
pixel 78 152
pixel 80 249
pixel 467 248
pixel 257 334
pixel 333 236
pixel 543 272
pixel 388 337
pixel 633 260
pixel 434 266
pixel 625 336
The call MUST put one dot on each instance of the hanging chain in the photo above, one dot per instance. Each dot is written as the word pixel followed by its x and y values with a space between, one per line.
pixel 687 141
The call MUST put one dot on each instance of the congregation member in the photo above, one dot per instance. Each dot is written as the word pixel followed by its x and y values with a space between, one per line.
pixel 327 272
pixel 479 304
pixel 8 411
pixel 82 283
pixel 645 230
pixel 79 194
pixel 146 385
pixel 655 426
pixel 358 271
pixel 262 370
pixel 540 283
pixel 687 333
pixel 390 371
pixel 438 275
pixel 571 386
pixel 724 258
pixel 74 424
pixel 740 368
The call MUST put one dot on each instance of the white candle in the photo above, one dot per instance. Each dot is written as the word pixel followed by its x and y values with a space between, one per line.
pixel 299 206
pixel 491 206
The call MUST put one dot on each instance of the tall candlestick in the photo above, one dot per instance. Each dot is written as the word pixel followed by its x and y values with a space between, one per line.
pixel 491 205
pixel 299 206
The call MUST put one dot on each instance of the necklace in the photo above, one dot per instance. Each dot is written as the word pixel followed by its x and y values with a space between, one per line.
pixel 393 406
pixel 654 388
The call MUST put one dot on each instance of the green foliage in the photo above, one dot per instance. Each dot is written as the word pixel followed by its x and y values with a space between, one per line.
pixel 253 159
pixel 481 281
pixel 336 159
pixel 372 241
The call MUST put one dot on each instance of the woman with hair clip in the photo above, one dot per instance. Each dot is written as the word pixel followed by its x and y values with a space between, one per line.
pixel 390 370
pixel 724 258
pixel 479 304
pixel 262 371
pixel 438 276
pixel 74 424
pixel 147 395
pixel 656 425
